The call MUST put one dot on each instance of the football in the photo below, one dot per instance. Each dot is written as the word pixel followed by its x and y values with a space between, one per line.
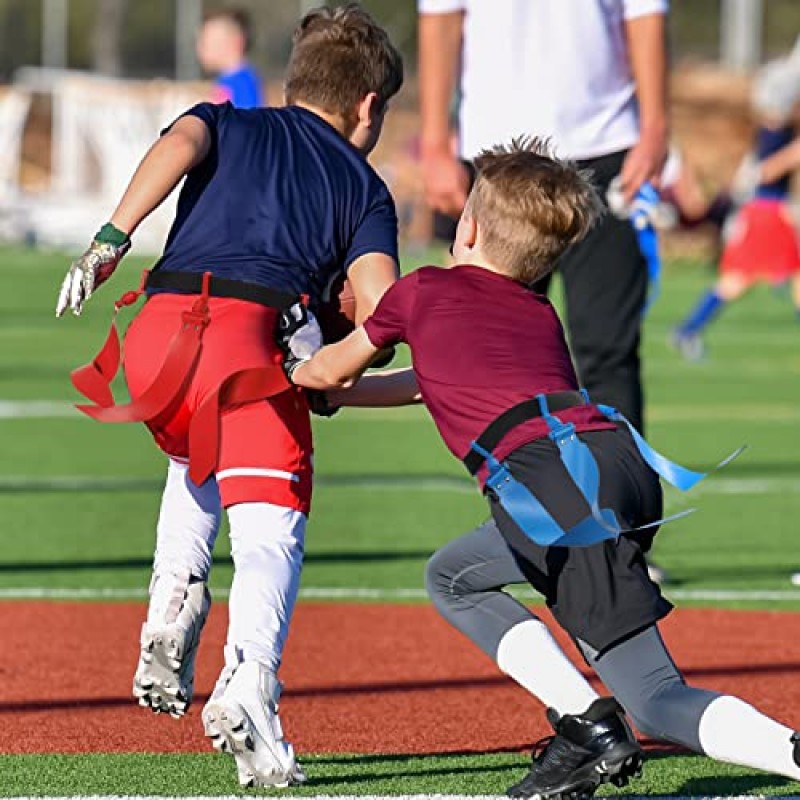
pixel 337 319
pixel 337 316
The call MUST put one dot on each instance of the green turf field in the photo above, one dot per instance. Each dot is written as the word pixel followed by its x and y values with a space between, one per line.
pixel 79 501
pixel 86 495
pixel 373 775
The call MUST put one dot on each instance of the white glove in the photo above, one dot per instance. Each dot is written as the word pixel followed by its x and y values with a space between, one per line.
pixel 645 208
pixel 298 335
pixel 91 270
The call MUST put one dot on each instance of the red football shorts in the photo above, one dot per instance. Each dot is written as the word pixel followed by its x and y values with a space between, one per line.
pixel 762 244
pixel 265 447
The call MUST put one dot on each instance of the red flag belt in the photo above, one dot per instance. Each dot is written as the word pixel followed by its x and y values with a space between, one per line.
pixel 93 381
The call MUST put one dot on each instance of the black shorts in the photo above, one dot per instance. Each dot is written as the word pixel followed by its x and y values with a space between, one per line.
pixel 600 594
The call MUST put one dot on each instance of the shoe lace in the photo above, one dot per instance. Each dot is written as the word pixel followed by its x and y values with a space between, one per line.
pixel 542 745
pixel 555 753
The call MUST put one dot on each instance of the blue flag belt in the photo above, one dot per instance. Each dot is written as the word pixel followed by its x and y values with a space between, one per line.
pixel 524 507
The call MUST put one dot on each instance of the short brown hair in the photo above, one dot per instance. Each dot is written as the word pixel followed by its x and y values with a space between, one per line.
pixel 530 206
pixel 339 56
pixel 238 17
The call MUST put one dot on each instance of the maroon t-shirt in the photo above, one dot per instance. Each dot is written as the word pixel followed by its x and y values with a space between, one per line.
pixel 480 343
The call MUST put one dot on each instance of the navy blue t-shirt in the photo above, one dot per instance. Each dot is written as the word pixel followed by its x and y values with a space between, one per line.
pixel 768 142
pixel 282 200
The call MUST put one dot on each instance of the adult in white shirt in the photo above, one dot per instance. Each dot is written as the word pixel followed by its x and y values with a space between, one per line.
pixel 590 75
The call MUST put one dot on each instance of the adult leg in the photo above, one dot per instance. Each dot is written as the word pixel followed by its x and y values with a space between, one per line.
pixel 187 528
pixel 642 676
pixel 605 283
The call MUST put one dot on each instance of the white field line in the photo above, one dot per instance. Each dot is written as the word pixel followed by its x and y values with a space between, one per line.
pixel 378 483
pixel 37 409
pixel 742 486
pixel 377 594
pixel 768 413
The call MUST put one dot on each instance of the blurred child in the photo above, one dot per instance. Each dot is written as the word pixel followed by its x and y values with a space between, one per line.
pixel 760 239
pixel 222 46
pixel 492 365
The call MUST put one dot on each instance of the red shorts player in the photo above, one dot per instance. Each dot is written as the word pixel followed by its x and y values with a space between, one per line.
pixel 277 205
pixel 760 241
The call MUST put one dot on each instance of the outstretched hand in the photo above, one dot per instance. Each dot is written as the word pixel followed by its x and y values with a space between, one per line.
pixel 88 272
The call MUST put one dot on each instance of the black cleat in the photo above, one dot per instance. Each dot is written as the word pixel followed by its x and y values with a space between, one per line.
pixel 587 750
pixel 796 752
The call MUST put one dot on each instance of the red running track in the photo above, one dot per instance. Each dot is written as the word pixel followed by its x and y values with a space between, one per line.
pixel 360 679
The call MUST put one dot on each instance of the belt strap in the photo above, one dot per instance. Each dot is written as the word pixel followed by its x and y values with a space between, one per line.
pixel 516 415
pixel 170 384
pixel 192 283
pixel 246 386
pixel 93 380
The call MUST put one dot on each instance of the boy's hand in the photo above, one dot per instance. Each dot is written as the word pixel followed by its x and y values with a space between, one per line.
pixel 298 335
pixel 92 269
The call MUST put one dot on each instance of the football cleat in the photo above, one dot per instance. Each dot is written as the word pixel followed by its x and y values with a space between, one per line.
pixel 586 751
pixel 164 678
pixel 241 719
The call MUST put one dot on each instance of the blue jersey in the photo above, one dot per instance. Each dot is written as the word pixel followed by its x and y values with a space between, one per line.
pixel 282 200
pixel 242 87
pixel 768 142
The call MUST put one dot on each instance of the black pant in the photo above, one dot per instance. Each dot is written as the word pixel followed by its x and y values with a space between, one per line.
pixel 605 283
pixel 599 594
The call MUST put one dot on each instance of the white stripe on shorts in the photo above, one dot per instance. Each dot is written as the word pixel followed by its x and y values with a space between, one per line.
pixel 256 472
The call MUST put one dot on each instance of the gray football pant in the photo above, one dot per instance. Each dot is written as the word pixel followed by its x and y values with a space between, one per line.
pixel 465 579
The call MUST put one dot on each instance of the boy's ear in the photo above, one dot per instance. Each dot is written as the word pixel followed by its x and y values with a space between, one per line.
pixel 369 110
pixel 470 232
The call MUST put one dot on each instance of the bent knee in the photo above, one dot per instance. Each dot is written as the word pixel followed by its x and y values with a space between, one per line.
pixel 439 576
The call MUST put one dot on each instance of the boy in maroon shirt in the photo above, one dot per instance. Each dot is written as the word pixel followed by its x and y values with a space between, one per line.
pixel 481 344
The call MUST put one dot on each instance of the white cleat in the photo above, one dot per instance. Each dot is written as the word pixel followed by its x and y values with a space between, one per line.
pixel 242 720
pixel 164 679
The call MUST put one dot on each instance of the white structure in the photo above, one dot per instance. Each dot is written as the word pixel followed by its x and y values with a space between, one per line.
pixel 101 129
pixel 741 28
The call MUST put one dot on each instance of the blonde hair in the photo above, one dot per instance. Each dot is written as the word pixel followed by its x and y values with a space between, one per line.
pixel 530 206
pixel 339 56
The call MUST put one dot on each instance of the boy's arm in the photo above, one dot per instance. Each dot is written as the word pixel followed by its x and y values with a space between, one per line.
pixel 777 165
pixel 180 149
pixel 336 366
pixel 370 276
pixel 392 387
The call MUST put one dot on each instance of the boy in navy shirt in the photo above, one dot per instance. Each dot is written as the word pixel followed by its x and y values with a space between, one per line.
pixel 482 344
pixel 276 203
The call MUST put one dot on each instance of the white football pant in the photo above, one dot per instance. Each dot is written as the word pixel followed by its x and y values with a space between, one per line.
pixel 267 544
